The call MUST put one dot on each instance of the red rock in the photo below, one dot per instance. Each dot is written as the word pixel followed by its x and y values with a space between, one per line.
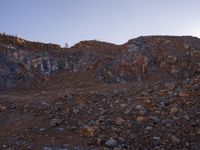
pixel 89 131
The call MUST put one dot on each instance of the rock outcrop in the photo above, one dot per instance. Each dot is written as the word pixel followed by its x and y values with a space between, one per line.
pixel 150 57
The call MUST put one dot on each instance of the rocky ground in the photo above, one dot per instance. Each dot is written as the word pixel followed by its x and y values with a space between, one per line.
pixel 144 94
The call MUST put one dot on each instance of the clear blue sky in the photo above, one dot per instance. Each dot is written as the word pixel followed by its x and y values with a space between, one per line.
pixel 61 21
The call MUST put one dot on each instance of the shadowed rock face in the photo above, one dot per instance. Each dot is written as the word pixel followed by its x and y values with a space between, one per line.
pixel 165 57
pixel 143 58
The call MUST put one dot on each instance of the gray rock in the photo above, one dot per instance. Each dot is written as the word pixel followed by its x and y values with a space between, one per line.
pixel 155 119
pixel 121 140
pixel 175 139
pixel 111 143
pixel 56 122
pixel 186 117
pixel 161 105
pixel 69 98
pixel 156 138
pixel 148 128
pixel 142 110
pixel 167 122
pixel 139 107
pixel 47 148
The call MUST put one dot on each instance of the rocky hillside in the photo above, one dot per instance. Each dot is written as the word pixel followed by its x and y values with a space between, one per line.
pixel 143 58
pixel 143 95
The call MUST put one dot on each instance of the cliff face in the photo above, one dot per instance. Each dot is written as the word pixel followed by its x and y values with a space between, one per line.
pixel 143 58
pixel 151 57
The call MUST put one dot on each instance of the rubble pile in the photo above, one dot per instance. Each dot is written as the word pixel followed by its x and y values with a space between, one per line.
pixel 144 94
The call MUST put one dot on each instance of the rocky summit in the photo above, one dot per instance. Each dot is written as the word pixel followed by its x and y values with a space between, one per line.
pixel 144 94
